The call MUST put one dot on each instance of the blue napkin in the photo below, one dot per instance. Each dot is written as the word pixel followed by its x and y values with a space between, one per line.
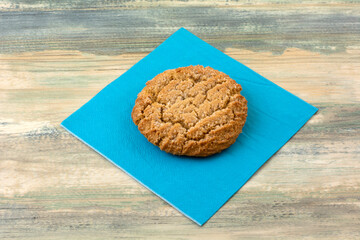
pixel 197 187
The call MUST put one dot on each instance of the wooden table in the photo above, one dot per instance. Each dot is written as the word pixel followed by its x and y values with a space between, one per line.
pixel 55 55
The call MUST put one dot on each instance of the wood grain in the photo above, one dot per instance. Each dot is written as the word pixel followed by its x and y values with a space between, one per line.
pixel 54 56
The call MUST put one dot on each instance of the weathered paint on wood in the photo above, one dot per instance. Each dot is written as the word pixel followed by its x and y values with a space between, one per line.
pixel 53 59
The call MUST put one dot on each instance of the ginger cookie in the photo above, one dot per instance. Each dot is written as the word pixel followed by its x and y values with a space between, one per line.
pixel 193 111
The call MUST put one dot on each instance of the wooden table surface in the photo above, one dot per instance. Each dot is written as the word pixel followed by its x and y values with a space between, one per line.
pixel 55 55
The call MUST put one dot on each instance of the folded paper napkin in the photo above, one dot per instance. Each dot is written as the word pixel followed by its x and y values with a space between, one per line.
pixel 197 187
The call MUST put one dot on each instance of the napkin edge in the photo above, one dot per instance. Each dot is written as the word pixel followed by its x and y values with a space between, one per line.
pixel 126 172
pixel 182 29
pixel 285 140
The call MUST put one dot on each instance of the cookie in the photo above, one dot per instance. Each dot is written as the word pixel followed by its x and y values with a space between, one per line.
pixel 193 111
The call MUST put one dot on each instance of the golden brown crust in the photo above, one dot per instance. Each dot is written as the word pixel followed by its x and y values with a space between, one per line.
pixel 193 111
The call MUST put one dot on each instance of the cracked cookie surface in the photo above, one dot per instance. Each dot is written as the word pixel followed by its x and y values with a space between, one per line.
pixel 193 111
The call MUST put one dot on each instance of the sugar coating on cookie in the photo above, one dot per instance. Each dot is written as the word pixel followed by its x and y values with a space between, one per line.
pixel 193 111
